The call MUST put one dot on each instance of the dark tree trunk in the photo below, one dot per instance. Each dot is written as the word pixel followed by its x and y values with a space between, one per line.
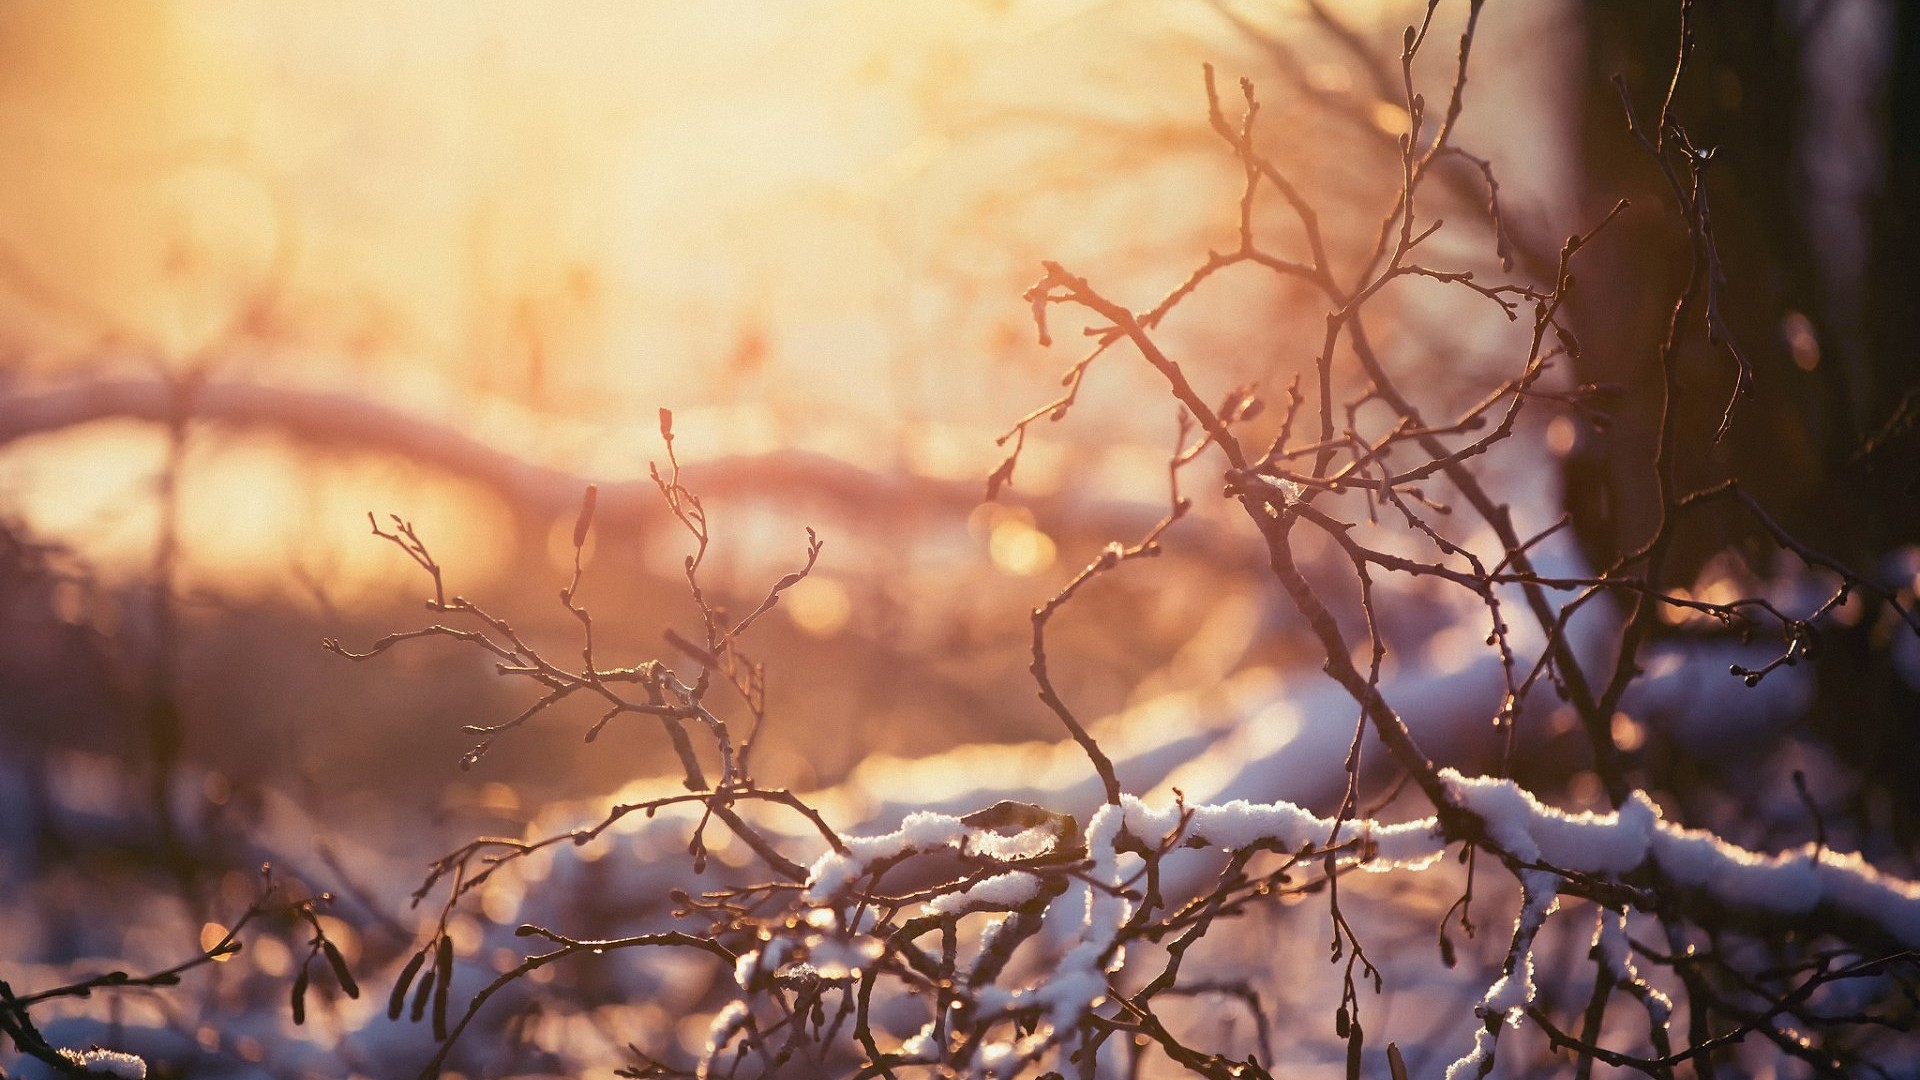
pixel 1805 441
pixel 1821 294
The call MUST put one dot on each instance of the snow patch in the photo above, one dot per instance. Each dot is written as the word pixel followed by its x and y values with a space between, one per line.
pixel 997 893
pixel 107 1063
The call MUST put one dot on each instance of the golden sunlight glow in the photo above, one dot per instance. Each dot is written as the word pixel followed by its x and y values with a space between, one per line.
pixel 1020 549
pixel 270 956
pixel 799 224
pixel 1561 436
pixel 1390 118
pixel 211 935
pixel 259 515
pixel 1628 734
pixel 560 549
pixel 819 605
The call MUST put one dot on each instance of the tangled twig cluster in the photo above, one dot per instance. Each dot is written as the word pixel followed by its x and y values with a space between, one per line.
pixel 1026 936
pixel 944 916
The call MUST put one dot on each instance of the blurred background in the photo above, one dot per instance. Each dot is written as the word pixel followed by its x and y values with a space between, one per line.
pixel 264 269
pixel 262 272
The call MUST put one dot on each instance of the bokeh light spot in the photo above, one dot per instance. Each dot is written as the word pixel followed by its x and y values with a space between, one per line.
pixel 1018 548
pixel 819 606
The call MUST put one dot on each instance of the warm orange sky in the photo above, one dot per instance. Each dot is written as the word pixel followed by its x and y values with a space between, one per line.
pixel 636 185
pixel 804 222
